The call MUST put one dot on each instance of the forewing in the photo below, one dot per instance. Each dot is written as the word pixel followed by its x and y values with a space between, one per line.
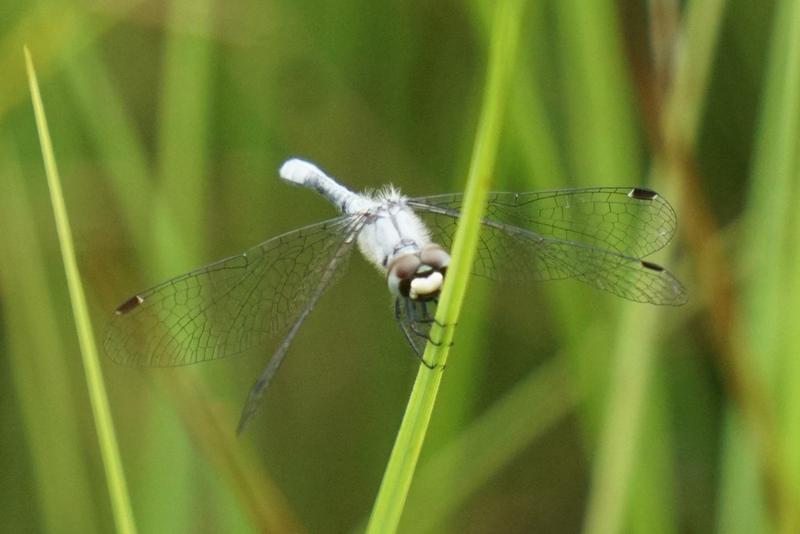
pixel 229 306
pixel 631 221
pixel 592 235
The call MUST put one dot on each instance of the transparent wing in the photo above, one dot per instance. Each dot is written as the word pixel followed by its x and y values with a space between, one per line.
pixel 631 221
pixel 597 236
pixel 228 306
pixel 340 255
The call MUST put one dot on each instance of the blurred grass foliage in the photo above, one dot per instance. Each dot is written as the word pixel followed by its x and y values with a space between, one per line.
pixel 561 409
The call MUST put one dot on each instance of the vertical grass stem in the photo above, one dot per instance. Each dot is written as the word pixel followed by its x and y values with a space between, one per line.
pixel 396 482
pixel 115 477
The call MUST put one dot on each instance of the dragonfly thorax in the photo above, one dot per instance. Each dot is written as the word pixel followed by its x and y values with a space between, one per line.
pixel 418 275
pixel 391 230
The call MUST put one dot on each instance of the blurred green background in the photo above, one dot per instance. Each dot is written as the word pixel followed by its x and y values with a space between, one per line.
pixel 562 409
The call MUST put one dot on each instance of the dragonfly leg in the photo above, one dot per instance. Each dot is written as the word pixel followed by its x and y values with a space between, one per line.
pixel 425 319
pixel 407 322
pixel 403 322
pixel 417 318
pixel 428 319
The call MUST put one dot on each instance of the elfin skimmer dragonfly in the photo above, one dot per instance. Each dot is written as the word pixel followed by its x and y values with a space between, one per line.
pixel 597 235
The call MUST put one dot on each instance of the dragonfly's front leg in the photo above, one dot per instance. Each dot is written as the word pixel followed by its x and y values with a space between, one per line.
pixel 423 318
pixel 406 316
pixel 402 322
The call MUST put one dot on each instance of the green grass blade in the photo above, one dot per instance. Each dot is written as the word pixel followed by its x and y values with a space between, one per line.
pixel 681 125
pixel 399 472
pixel 603 147
pixel 772 179
pixel 123 156
pixel 54 42
pixel 618 446
pixel 177 232
pixel 598 93
pixel 120 150
pixel 533 406
pixel 634 416
pixel 769 294
pixel 183 133
pixel 115 477
pixel 692 70
pixel 48 406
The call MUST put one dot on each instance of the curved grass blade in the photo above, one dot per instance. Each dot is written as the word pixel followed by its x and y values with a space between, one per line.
pixel 394 488
pixel 115 477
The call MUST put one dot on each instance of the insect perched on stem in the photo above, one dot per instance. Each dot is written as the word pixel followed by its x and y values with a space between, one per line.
pixel 597 235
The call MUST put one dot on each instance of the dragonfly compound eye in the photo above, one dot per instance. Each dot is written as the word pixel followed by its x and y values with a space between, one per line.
pixel 435 256
pixel 400 273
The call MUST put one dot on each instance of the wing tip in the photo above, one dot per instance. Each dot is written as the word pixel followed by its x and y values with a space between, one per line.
pixel 642 193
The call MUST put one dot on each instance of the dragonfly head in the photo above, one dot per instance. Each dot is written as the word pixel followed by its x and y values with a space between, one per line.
pixel 418 275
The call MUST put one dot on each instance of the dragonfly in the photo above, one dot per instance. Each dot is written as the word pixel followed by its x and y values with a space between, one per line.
pixel 597 235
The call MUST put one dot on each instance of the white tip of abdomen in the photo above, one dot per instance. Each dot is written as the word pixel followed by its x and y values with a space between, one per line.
pixel 300 172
